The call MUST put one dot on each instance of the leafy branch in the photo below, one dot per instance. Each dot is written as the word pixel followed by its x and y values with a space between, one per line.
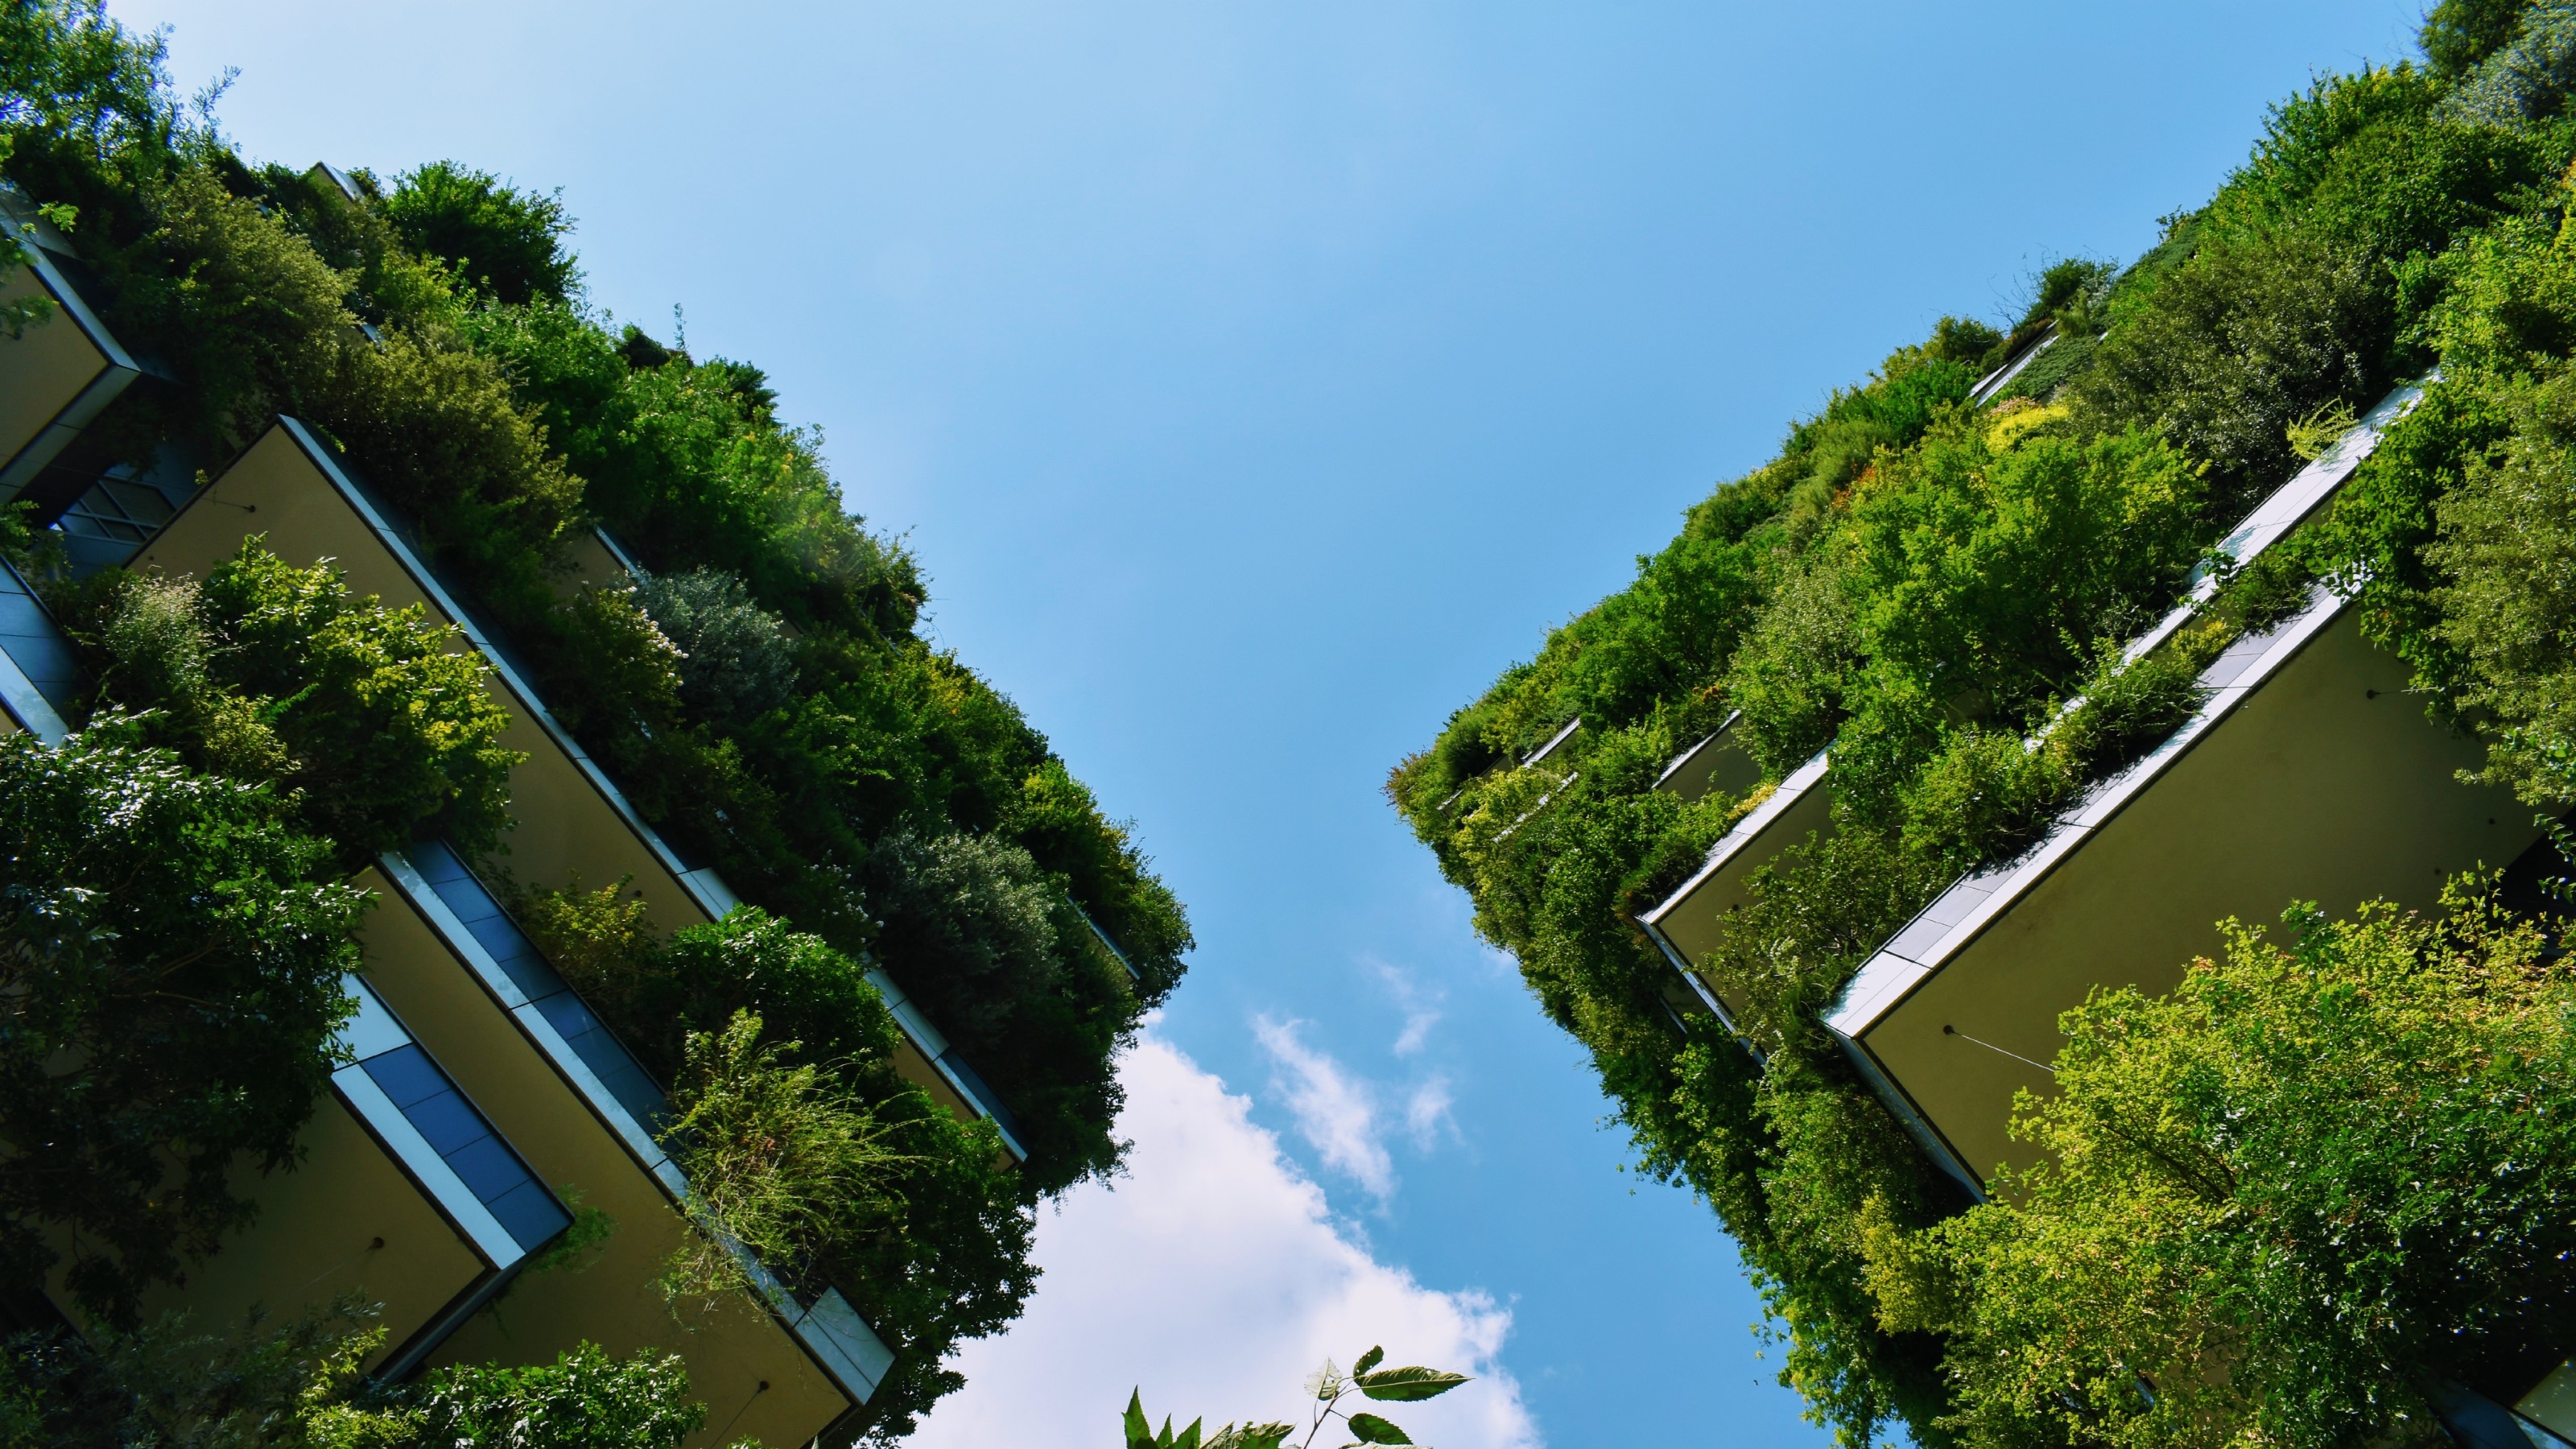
pixel 1329 1386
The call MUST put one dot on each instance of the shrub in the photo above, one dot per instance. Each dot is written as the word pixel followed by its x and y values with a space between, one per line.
pixel 621 673
pixel 2508 536
pixel 2242 340
pixel 735 663
pixel 583 1400
pixel 2524 69
pixel 974 921
pixel 1796 663
pixel 1992 573
pixel 2458 34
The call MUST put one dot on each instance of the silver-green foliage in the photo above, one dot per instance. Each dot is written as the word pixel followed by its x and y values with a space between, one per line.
pixel 2528 78
pixel 974 922
pixel 736 662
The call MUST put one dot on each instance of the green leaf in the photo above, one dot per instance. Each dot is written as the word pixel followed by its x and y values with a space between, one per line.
pixel 1140 1432
pixel 1374 1430
pixel 1189 1437
pixel 1369 1360
pixel 1405 1385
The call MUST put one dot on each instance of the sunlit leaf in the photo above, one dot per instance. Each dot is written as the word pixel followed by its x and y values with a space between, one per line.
pixel 1405 1385
pixel 1373 1430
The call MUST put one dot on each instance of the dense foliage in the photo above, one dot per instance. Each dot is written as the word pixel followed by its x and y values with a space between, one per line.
pixel 373 722
pixel 301 1385
pixel 170 964
pixel 758 691
pixel 1920 584
pixel 2319 1182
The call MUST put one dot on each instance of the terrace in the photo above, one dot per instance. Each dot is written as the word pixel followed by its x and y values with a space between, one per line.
pixel 2308 772
pixel 65 369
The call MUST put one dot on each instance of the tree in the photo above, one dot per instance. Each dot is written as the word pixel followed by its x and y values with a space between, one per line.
pixel 171 950
pixel 376 726
pixel 507 242
pixel 2458 34
pixel 2289 1200
pixel 583 1400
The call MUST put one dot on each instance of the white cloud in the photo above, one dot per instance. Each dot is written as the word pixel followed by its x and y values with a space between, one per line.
pixel 1213 1278
pixel 1421 1006
pixel 1427 1111
pixel 1336 1112
pixel 1417 1027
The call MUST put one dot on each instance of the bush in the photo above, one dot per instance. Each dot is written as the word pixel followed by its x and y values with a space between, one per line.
pixel 1991 574
pixel 389 729
pixel 975 920
pixel 2241 341
pixel 2458 34
pixel 2524 68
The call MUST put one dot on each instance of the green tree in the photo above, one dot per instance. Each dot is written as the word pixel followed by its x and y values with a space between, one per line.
pixel 2284 1203
pixel 376 725
pixel 2507 609
pixel 735 663
pixel 2460 33
pixel 507 242
pixel 170 965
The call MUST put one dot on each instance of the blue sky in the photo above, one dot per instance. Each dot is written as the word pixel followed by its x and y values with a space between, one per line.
pixel 1255 383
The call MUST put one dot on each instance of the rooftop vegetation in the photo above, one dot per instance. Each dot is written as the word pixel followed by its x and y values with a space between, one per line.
pixel 1922 584
pixel 761 695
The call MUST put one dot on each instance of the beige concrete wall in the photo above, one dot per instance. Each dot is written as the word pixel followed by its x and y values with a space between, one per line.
pixel 2327 784
pixel 1697 925
pixel 1720 765
pixel 592 565
pixel 317 1236
pixel 566 830
pixel 41 370
pixel 611 1302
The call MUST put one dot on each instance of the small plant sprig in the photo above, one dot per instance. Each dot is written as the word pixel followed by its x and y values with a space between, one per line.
pixel 1329 1386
